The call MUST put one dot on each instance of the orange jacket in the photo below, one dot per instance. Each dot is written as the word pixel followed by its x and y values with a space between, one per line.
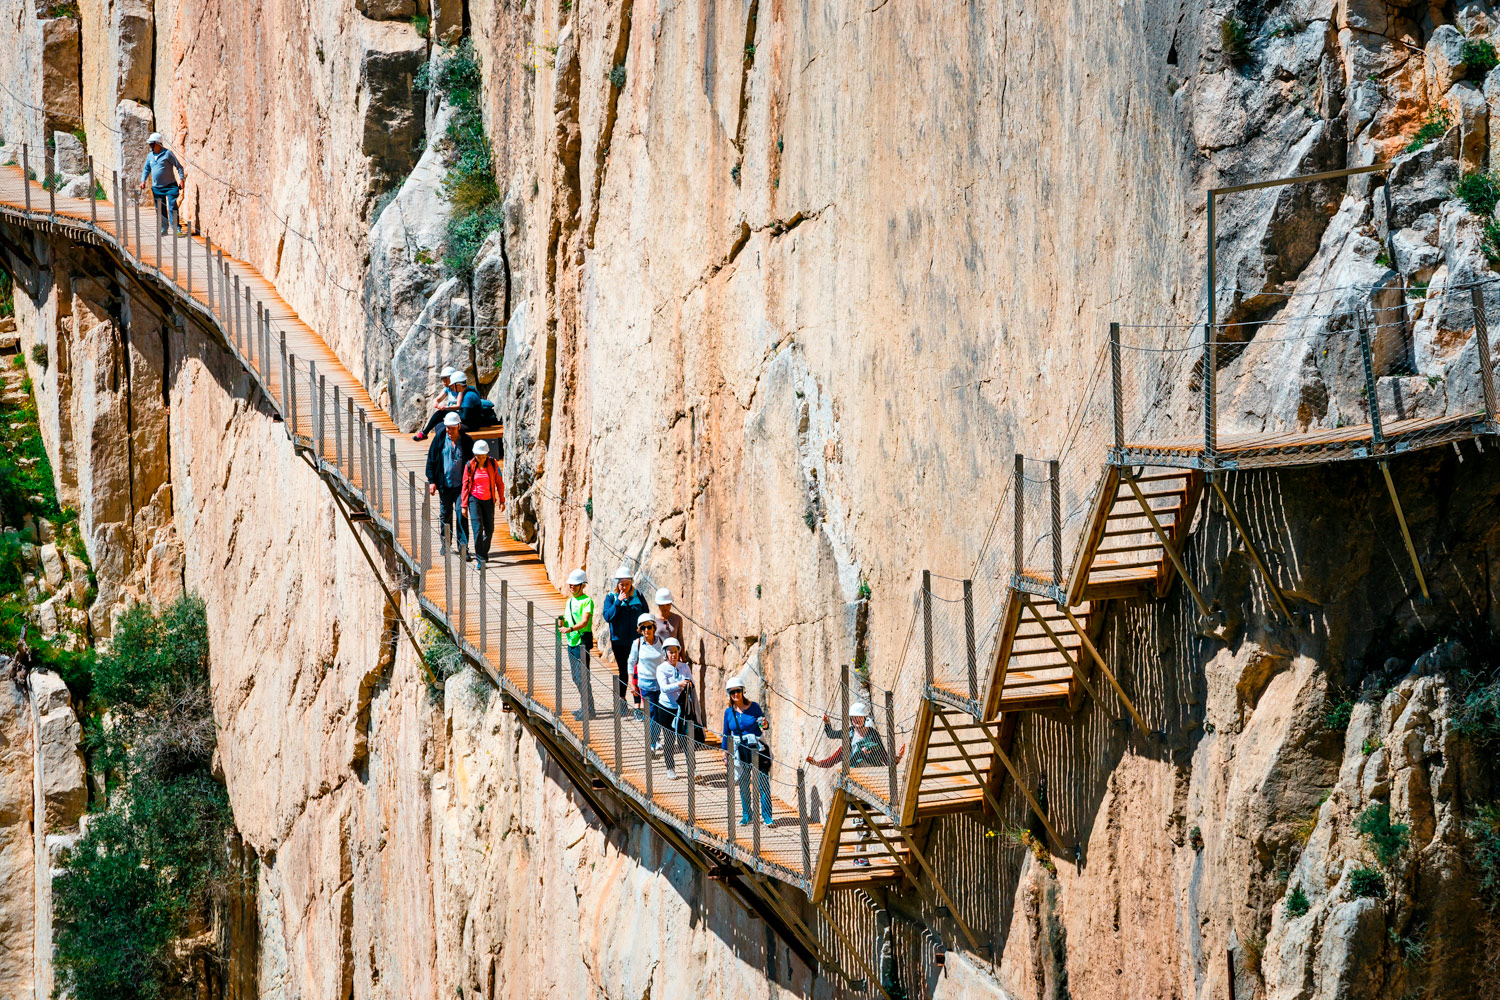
pixel 497 493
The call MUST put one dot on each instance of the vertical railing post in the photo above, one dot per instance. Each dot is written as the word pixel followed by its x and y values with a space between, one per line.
pixel 692 776
pixel 175 280
pixel 971 647
pixel 1055 477
pixel 396 494
pixel 255 326
pixel 426 557
pixel 376 470
pixel 26 174
pixel 1020 493
pixel 558 701
pixel 1371 386
pixel 93 202
pixel 411 515
pixel 585 691
pixel 156 229
pixel 844 712
pixel 234 317
pixel 802 823
pixel 619 710
pixel 265 340
pixel 349 422
pixel 1115 383
pixel 338 437
pixel 484 621
pixel 463 597
pixel 755 780
pixel 731 764
pixel 135 203
pixel 321 414
pixel 448 581
pixel 530 648
pixel 289 390
pixel 646 729
pixel 890 746
pixel 190 265
pixel 364 458
pixel 927 626
pixel 1482 343
pixel 208 269
pixel 49 170
pixel 118 209
pixel 1210 396
pixel 504 626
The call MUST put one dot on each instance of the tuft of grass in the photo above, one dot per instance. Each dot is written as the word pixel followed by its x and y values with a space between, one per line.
pixel 863 593
pixel 1479 57
pixel 39 355
pixel 1195 839
pixel 1234 38
pixel 422 23
pixel 1434 126
pixel 1367 883
pixel 1336 716
pixel 53 182
pixel 1388 841
pixel 617 76
pixel 1296 903
pixel 810 518
pixel 443 657
pixel 1479 191
pixel 1489 242
pixel 1371 744
pixel 1484 854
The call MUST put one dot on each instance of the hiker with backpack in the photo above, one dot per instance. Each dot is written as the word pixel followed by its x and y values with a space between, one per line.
pixel 745 749
pixel 482 486
pixel 445 403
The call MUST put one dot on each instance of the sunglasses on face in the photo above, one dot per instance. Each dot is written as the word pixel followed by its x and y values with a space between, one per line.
pixel 648 628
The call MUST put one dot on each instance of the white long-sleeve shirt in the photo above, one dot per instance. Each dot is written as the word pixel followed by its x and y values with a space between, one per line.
pixel 645 657
pixel 670 680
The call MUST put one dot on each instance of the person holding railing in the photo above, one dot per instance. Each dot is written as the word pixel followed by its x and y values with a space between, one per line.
pixel 744 726
pixel 577 625
pixel 482 486
pixel 623 608
pixel 645 656
pixel 162 168
pixel 672 685
pixel 447 457
pixel 445 403
pixel 866 749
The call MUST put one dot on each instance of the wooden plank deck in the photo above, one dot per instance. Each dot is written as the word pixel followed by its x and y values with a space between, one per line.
pixel 452 589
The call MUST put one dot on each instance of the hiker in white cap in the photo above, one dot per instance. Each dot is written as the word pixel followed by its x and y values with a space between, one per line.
pixel 673 685
pixel 483 485
pixel 447 458
pixel 746 750
pixel 646 655
pixel 623 607
pixel 162 168
pixel 445 402
pixel 577 626
pixel 671 621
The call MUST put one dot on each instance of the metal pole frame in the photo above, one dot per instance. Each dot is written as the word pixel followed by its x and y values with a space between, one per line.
pixel 1055 476
pixel 1482 345
pixel 802 824
pixel 971 646
pixel 530 646
pixel 26 174
pixel 844 719
pixel 890 751
pixel 1019 491
pixel 94 202
pixel 927 625
pixel 504 621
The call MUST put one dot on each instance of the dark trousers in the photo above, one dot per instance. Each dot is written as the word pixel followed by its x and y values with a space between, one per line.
pixel 437 418
pixel 448 512
pixel 673 731
pixel 578 665
pixel 621 649
pixel 481 526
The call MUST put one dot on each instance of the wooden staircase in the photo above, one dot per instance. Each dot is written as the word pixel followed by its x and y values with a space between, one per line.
pixel 1040 661
pixel 1123 551
pixel 856 830
pixel 952 764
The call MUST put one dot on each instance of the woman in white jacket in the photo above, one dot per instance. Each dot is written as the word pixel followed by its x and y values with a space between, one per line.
pixel 645 656
pixel 672 683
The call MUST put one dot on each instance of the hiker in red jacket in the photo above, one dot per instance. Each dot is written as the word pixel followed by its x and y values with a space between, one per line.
pixel 482 486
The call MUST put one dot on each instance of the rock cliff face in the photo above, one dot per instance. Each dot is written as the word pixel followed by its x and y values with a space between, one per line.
pixel 778 292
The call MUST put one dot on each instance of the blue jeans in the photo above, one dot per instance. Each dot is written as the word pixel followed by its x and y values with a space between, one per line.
pixel 166 208
pixel 764 781
pixel 448 512
pixel 648 698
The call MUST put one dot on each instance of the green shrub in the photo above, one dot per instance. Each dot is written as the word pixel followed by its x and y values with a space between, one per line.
pixel 1234 37
pixel 1387 840
pixel 422 23
pixel 1484 854
pixel 1296 903
pixel 1479 57
pixel 1371 744
pixel 99 192
pixel 7 296
pixel 1478 715
pixel 52 182
pixel 470 180
pixel 152 655
pixel 1337 715
pixel 1434 126
pixel 617 76
pixel 1489 242
pixel 1479 191
pixel 1367 883
pixel 39 355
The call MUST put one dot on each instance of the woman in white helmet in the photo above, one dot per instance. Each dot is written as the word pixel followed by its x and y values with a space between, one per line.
pixel 445 402
pixel 482 487
pixel 865 746
pixel 672 685
pixel 671 621
pixel 646 654
pixel 745 748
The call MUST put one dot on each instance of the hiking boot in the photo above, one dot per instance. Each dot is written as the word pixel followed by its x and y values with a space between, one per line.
pixel 419 436
pixel 861 862
pixel 671 774
pixel 745 820
pixel 768 820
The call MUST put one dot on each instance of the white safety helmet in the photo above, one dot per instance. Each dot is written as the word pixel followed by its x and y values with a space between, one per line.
pixel 481 447
pixel 577 576
pixel 732 684
pixel 664 596
pixel 453 375
pixel 858 709
pixel 624 573
pixel 154 139
pixel 671 644
pixel 452 420
pixel 646 619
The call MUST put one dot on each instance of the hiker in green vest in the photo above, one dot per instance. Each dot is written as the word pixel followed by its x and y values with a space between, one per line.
pixel 577 627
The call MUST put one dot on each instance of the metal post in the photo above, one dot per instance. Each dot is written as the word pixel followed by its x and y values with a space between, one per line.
pixel 322 411
pixel 448 582
pixel 557 685
pixel 620 761
pixel 927 624
pixel 426 556
pixel 484 638
pixel 802 823
pixel 530 645
pixel 971 648
pixel 396 495
pixel 234 316
pixel 1019 490
pixel 844 708
pixel 26 174
pixel 463 598
pixel 364 456
pixel 646 728
pixel 504 625
pixel 338 439
pixel 93 202
pixel 265 339
pixel 47 182
pixel 208 270
pixel 135 202
pixel 1115 381
pixel 890 746
pixel 1056 477
pixel 1482 342
pixel 1210 388
pixel 289 390
pixel 411 515
pixel 379 474
pixel 190 265
pixel 119 210
pixel 755 780
pixel 585 693
pixel 1372 388
pixel 255 330
pixel 731 761
pixel 157 230
pixel 349 422
pixel 174 257
pixel 692 778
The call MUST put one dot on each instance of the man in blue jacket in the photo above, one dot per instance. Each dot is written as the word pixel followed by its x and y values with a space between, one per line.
pixel 449 452
pixel 623 607
pixel 162 168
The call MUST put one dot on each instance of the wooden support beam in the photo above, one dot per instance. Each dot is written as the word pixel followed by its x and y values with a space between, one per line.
pixel 906 868
pixel 983 781
pixel 1166 543
pixel 1411 550
pixel 1234 518
pixel 1088 644
pixel 871 978
pixel 920 739
pixel 1067 656
pixel 828 850
pixel 1030 798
